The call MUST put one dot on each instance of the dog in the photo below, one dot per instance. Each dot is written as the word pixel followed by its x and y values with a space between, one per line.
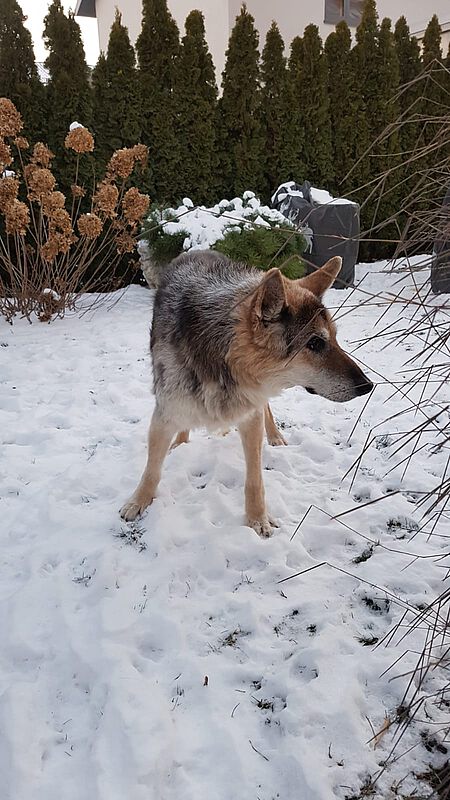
pixel 225 339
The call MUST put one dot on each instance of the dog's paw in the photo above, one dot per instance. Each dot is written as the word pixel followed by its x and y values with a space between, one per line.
pixel 276 439
pixel 263 526
pixel 133 509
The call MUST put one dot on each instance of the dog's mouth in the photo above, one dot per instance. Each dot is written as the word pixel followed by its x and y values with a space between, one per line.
pixel 310 390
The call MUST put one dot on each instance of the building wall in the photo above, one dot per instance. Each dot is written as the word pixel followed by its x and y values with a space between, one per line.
pixel 291 15
pixel 214 11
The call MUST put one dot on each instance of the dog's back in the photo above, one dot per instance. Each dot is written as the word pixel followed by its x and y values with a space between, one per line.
pixel 193 325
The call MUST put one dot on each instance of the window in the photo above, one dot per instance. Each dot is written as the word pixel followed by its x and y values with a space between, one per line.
pixel 337 10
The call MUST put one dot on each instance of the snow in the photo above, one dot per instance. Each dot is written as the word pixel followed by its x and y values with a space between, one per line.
pixel 319 196
pixel 52 293
pixel 205 226
pixel 109 630
pixel 322 197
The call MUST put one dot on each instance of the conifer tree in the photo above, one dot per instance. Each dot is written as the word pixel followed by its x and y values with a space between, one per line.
pixel 432 42
pixel 282 135
pixel 101 101
pixel 240 136
pixel 19 80
pixel 367 63
pixel 116 114
pixel 409 67
pixel 69 95
pixel 409 105
pixel 315 108
pixel 195 106
pixel 389 161
pixel 347 114
pixel 296 61
pixel 435 89
pixel 297 120
pixel 158 49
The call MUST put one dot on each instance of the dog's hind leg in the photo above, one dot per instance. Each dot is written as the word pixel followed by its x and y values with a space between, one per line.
pixel 159 437
pixel 274 437
pixel 252 432
pixel 182 437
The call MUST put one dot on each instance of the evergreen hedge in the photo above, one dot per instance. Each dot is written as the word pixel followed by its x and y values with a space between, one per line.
pixel 313 114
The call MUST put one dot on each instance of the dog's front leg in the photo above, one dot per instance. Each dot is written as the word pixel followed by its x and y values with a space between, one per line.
pixel 252 432
pixel 274 436
pixel 159 437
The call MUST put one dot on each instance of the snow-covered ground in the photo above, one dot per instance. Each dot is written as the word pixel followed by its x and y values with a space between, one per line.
pixel 165 660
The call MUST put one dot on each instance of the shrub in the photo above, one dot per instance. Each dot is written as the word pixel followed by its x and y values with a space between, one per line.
pixel 50 252
pixel 241 229
pixel 265 248
pixel 164 245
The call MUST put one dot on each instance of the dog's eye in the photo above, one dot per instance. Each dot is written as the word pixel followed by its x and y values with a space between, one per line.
pixel 316 344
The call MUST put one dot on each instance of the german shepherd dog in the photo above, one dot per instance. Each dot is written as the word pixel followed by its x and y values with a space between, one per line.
pixel 225 338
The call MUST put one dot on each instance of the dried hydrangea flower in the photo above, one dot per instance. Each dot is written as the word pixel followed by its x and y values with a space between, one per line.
pixel 10 119
pixel 121 163
pixel 52 202
pixel 42 155
pixel 80 140
pixel 57 243
pixel 60 222
pixel 5 155
pixel 17 218
pixel 140 153
pixel 134 205
pixel 9 189
pixel 106 198
pixel 21 143
pixel 50 249
pixel 125 243
pixel 77 191
pixel 64 241
pixel 40 182
pixel 90 225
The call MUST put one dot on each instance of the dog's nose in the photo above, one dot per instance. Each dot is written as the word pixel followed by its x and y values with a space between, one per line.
pixel 364 388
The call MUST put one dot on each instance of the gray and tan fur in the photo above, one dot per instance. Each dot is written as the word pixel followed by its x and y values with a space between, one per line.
pixel 225 339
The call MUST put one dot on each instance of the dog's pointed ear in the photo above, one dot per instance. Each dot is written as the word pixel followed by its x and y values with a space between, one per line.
pixel 321 280
pixel 270 298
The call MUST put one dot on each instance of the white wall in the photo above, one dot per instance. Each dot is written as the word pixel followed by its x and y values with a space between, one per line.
pixel 291 15
pixel 214 11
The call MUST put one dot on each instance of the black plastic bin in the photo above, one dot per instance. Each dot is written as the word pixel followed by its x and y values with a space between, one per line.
pixel 440 264
pixel 335 228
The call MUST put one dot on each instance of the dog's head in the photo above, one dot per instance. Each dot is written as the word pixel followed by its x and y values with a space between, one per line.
pixel 296 337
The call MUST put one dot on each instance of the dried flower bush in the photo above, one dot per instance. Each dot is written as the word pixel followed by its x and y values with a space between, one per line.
pixel 53 250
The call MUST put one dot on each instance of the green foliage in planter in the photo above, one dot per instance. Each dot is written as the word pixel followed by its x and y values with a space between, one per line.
pixel 164 246
pixel 266 248
pixel 255 237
